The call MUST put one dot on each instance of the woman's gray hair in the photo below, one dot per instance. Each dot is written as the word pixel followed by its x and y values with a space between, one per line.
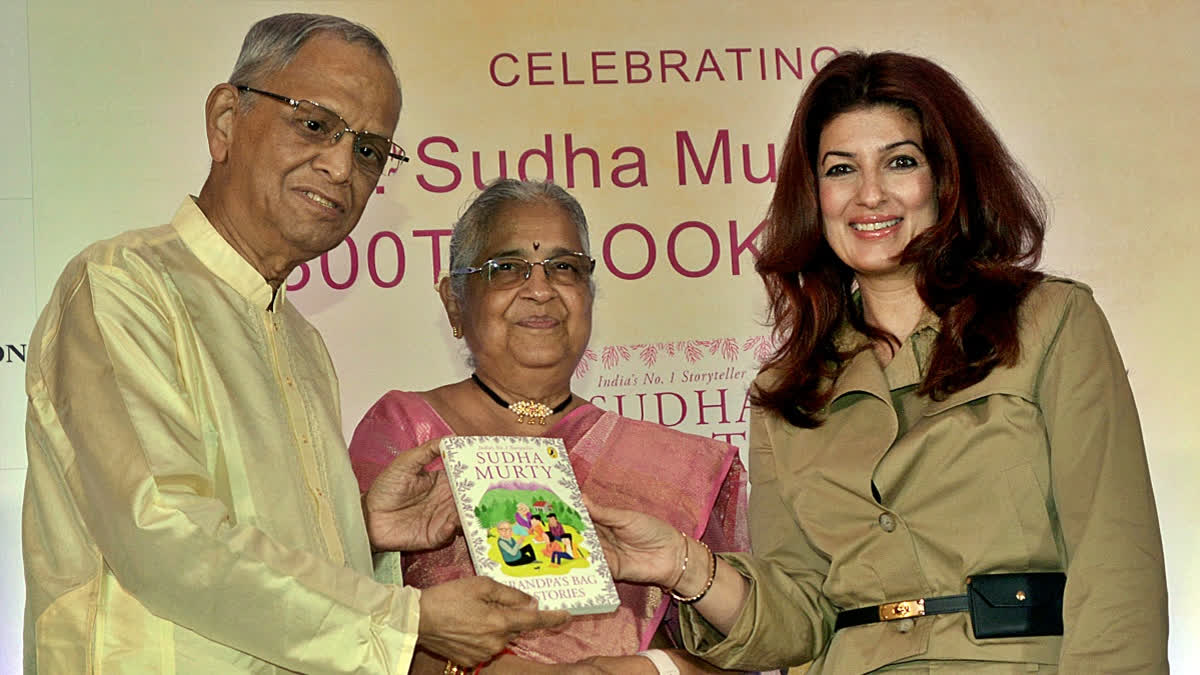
pixel 273 42
pixel 475 225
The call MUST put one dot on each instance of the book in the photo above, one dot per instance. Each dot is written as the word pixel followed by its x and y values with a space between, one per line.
pixel 525 523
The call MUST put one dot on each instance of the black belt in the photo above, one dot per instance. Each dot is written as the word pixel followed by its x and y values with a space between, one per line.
pixel 891 611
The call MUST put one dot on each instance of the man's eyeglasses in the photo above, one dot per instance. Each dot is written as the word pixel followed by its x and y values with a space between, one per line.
pixel 319 125
pixel 566 269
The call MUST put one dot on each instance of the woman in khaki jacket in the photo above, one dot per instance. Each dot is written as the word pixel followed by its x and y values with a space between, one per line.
pixel 947 468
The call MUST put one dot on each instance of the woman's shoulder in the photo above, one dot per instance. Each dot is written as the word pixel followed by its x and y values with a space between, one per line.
pixel 1048 303
pixel 397 402
pixel 399 417
pixel 1056 306
pixel 1054 289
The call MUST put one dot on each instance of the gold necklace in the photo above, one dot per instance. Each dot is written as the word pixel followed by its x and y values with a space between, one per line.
pixel 528 412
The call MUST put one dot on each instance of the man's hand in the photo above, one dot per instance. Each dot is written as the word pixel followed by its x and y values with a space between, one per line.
pixel 638 547
pixel 409 508
pixel 469 620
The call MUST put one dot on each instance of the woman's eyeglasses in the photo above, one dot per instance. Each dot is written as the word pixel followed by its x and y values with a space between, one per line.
pixel 566 269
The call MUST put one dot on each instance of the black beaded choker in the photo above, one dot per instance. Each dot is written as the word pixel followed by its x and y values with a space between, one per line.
pixel 528 412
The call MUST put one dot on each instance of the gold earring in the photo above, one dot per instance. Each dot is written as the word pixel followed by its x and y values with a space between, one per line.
pixel 457 332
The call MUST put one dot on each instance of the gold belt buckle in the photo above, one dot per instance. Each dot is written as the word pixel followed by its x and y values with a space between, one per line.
pixel 901 610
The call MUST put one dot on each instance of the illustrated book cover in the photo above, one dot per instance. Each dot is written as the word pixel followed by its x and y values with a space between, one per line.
pixel 525 523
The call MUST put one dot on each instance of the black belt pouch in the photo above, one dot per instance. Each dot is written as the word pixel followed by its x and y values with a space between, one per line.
pixel 1016 605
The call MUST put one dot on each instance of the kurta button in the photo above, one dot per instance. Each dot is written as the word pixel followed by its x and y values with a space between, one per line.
pixel 887 522
pixel 904 625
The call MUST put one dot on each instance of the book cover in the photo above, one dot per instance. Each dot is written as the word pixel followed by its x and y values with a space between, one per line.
pixel 525 523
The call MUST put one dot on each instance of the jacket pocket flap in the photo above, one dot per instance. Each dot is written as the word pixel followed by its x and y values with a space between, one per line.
pixel 1027 589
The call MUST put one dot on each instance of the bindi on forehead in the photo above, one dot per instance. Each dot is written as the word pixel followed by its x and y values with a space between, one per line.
pixel 537 245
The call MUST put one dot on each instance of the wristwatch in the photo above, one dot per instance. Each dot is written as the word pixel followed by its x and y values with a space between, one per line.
pixel 661 660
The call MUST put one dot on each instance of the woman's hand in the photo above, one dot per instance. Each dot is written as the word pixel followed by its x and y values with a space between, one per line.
pixel 638 547
pixel 409 508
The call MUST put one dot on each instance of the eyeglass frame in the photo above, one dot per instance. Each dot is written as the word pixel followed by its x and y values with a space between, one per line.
pixel 486 265
pixel 337 135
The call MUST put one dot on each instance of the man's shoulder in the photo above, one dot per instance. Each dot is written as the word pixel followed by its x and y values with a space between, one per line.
pixel 126 248
pixel 130 253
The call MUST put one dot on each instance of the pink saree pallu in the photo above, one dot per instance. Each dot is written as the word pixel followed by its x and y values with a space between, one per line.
pixel 695 483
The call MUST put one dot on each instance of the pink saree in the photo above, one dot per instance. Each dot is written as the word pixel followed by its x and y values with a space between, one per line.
pixel 694 483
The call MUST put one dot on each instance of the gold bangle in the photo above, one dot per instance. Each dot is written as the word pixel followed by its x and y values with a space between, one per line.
pixel 683 567
pixel 453 668
pixel 712 573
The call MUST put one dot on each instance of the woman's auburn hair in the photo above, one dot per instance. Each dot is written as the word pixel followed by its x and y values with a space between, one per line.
pixel 973 267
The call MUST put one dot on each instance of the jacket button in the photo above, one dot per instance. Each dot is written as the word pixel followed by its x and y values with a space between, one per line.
pixel 887 522
pixel 904 625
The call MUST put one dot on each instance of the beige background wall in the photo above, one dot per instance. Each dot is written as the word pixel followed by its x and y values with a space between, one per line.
pixel 104 120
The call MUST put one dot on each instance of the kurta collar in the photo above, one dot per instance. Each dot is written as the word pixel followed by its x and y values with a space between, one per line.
pixel 222 259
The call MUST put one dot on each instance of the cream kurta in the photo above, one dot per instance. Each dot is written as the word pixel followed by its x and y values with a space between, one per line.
pixel 189 505
pixel 1038 467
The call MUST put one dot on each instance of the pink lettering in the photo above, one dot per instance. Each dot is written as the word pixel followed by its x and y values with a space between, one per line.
pixel 435 239
pixel 708 64
pixel 769 175
pixel 303 280
pixel 567 73
pixel 372 267
pixel 812 61
pixel 572 153
pixel 703 406
pixel 673 64
pixel 492 69
pixel 661 408
pixel 781 59
pixel 536 68
pixel 544 153
pixel 597 67
pixel 683 140
pixel 638 166
pixel 501 166
pixel 737 248
pixel 353 274
pixel 430 160
pixel 737 55
pixel 643 66
pixel 714 257
pixel 651 251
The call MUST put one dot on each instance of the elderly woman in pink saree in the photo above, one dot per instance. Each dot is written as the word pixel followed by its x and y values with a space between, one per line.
pixel 526 330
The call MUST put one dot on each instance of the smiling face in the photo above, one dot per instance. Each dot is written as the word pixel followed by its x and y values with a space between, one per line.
pixel 285 198
pixel 504 529
pixel 876 189
pixel 538 327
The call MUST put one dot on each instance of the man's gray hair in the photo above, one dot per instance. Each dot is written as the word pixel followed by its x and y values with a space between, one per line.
pixel 273 42
pixel 476 224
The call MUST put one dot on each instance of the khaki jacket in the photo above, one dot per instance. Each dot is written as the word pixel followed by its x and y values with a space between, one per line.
pixel 1039 467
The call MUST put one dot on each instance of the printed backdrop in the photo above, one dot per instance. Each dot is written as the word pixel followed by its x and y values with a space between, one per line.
pixel 665 120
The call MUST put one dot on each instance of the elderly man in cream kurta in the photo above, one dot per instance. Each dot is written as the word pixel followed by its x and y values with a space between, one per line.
pixel 190 506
